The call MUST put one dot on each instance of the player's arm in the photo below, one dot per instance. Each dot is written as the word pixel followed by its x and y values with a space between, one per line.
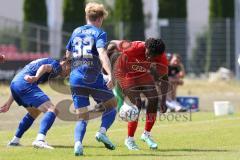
pixel 181 74
pixel 46 68
pixel 162 83
pixel 68 55
pixel 114 44
pixel 106 65
pixel 119 45
pixel 164 89
pixel 7 105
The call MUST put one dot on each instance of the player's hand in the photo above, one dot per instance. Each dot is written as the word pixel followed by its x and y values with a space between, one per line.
pixel 2 58
pixel 30 79
pixel 153 71
pixel 110 83
pixel 163 108
pixel 5 108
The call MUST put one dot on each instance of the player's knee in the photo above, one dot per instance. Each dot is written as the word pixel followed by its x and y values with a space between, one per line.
pixel 82 113
pixel 48 107
pixel 152 105
pixel 112 103
pixel 34 114
pixel 56 111
pixel 52 109
pixel 164 110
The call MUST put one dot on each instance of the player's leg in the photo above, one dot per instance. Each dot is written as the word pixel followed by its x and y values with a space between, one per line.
pixel 174 91
pixel 24 125
pixel 24 97
pixel 33 96
pixel 133 95
pixel 81 101
pixel 171 102
pixel 132 127
pixel 46 123
pixel 151 114
pixel 119 95
pixel 108 118
pixel 80 130
pixel 102 94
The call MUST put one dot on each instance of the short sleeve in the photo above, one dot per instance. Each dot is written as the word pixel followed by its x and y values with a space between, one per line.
pixel 162 64
pixel 69 45
pixel 135 48
pixel 101 40
pixel 124 45
pixel 120 69
pixel 56 68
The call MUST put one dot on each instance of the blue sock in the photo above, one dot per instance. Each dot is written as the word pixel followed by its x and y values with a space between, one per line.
pixel 24 125
pixel 80 130
pixel 46 123
pixel 108 118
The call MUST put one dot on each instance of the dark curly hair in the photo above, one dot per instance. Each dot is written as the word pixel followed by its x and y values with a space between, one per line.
pixel 155 46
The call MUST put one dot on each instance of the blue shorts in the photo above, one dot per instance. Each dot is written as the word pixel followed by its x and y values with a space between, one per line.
pixel 30 96
pixel 81 92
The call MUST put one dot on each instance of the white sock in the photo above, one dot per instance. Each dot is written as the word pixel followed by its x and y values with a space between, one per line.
pixel 78 143
pixel 147 133
pixel 131 138
pixel 15 139
pixel 102 130
pixel 40 137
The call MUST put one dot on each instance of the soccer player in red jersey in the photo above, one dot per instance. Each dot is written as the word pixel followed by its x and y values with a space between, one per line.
pixel 141 69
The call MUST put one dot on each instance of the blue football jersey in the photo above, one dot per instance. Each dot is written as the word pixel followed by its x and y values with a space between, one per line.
pixel 32 68
pixel 83 45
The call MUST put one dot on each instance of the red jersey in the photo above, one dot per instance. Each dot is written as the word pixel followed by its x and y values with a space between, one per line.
pixel 132 67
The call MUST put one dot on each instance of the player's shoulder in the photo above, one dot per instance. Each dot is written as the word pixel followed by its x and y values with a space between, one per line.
pixel 54 61
pixel 95 30
pixel 138 47
pixel 162 58
pixel 77 30
pixel 100 32
pixel 138 44
pixel 48 60
pixel 89 30
pixel 133 46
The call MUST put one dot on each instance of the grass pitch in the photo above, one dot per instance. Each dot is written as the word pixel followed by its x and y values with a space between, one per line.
pixel 199 137
pixel 205 137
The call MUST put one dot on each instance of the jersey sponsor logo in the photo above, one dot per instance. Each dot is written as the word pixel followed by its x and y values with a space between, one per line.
pixel 138 68
pixel 82 62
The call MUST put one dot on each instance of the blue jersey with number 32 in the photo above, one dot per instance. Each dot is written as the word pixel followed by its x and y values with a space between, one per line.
pixel 83 44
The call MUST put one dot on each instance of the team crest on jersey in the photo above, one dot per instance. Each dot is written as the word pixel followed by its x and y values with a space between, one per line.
pixel 138 68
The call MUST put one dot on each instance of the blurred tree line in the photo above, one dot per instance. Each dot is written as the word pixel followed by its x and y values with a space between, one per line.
pixel 34 12
pixel 175 33
pixel 213 49
pixel 126 17
pixel 130 14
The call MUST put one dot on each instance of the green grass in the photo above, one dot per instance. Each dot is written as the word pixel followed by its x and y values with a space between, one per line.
pixel 205 137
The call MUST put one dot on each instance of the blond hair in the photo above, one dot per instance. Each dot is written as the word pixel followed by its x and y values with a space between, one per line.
pixel 95 10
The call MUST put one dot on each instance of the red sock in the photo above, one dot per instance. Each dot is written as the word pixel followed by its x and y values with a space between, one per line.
pixel 132 126
pixel 150 120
